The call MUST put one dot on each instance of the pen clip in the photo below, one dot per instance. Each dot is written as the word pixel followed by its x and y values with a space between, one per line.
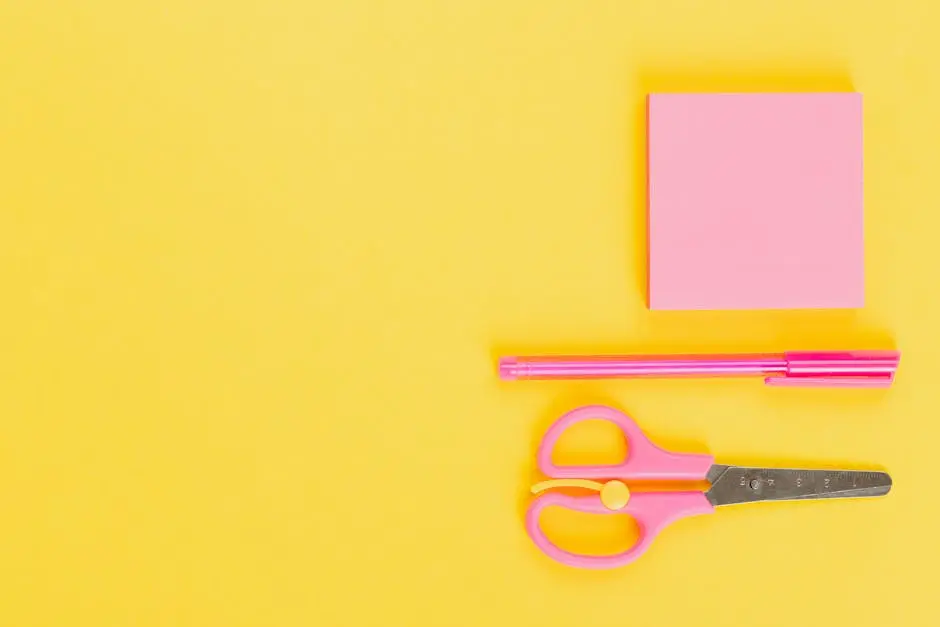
pixel 845 369
pixel 877 381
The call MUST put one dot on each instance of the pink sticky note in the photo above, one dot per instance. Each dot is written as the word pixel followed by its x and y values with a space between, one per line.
pixel 755 201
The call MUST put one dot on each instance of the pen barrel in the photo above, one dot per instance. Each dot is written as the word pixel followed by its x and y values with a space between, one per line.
pixel 650 366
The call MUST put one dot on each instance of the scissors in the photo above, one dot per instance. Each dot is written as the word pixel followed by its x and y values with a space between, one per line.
pixel 653 511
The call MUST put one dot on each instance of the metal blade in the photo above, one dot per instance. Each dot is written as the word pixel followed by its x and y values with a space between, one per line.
pixel 739 484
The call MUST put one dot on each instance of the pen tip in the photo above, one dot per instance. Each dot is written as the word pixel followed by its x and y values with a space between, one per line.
pixel 507 368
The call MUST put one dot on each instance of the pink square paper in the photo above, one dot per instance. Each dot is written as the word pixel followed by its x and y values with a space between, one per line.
pixel 755 201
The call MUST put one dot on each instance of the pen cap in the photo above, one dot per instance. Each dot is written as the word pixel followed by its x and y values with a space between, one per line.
pixel 848 369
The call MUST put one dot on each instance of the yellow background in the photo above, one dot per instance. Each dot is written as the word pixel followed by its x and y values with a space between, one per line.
pixel 259 257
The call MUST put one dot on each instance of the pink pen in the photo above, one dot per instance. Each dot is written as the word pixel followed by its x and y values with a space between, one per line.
pixel 855 369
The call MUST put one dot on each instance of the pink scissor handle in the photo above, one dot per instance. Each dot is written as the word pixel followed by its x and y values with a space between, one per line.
pixel 652 511
pixel 644 461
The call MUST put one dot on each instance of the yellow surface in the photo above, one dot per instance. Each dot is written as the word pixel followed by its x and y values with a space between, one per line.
pixel 259 257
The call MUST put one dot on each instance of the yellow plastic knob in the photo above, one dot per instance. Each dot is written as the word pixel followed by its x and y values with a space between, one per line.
pixel 614 494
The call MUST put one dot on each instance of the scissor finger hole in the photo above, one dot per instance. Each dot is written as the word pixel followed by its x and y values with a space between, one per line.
pixel 590 442
pixel 589 534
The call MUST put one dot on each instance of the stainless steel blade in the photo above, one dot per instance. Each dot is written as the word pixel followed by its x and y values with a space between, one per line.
pixel 741 484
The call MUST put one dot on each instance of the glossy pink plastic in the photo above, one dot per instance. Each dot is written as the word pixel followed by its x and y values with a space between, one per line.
pixel 652 511
pixel 856 369
pixel 644 461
